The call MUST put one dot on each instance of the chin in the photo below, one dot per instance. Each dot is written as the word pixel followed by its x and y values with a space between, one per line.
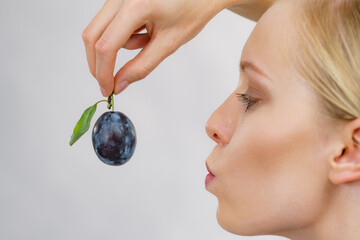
pixel 230 224
pixel 242 227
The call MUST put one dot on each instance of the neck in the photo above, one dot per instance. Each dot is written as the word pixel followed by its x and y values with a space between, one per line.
pixel 340 218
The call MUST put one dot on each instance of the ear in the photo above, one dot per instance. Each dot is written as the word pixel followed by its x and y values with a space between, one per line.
pixel 345 163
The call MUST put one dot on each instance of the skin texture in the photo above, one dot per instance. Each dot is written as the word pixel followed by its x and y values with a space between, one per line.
pixel 169 24
pixel 252 9
pixel 282 168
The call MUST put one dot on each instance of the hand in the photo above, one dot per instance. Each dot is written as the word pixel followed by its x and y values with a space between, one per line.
pixel 169 25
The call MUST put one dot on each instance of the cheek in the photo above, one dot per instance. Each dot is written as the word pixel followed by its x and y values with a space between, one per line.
pixel 269 174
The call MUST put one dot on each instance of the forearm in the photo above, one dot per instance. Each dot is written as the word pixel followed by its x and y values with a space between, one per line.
pixel 251 9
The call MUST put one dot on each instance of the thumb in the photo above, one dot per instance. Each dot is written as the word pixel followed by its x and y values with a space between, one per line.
pixel 157 49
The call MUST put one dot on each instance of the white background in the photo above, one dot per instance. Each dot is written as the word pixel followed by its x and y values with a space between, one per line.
pixel 49 190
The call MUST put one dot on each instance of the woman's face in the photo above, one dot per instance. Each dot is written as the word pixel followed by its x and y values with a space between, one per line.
pixel 270 162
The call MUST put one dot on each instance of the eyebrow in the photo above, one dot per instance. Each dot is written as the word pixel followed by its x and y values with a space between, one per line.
pixel 251 65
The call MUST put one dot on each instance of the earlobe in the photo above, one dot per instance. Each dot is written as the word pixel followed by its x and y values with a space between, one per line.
pixel 356 138
pixel 345 166
pixel 344 171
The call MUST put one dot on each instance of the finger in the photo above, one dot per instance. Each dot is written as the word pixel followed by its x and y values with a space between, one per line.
pixel 95 29
pixel 137 41
pixel 114 37
pixel 145 62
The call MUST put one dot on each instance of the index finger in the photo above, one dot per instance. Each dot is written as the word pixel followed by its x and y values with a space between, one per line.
pixel 113 38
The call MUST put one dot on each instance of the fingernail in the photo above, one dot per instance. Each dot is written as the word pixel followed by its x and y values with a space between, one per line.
pixel 103 92
pixel 121 86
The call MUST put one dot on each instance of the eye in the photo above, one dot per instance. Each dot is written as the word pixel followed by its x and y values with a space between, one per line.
pixel 246 100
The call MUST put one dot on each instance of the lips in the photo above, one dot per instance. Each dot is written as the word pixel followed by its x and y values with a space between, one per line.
pixel 207 167
pixel 209 178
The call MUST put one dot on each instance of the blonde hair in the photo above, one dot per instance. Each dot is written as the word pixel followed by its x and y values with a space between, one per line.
pixel 328 53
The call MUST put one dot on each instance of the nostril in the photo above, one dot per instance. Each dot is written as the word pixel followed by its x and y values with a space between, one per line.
pixel 212 131
pixel 216 138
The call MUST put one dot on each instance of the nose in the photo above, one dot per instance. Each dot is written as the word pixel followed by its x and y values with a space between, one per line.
pixel 221 125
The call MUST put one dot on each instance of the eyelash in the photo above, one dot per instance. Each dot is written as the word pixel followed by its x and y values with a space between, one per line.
pixel 247 100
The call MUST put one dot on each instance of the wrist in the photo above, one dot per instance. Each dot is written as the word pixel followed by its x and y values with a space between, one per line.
pixel 251 9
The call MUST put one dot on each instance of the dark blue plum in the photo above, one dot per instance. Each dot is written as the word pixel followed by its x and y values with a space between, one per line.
pixel 114 138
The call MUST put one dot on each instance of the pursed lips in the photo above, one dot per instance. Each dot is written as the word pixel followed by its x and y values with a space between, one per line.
pixel 207 167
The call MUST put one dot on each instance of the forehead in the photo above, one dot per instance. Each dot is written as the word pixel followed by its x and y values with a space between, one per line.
pixel 271 40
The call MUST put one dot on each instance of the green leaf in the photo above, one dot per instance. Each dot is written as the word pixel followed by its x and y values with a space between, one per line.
pixel 83 124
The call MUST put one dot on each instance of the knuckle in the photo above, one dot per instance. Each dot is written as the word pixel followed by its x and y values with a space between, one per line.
pixel 170 44
pixel 168 48
pixel 143 72
pixel 102 47
pixel 138 5
pixel 86 36
pixel 100 77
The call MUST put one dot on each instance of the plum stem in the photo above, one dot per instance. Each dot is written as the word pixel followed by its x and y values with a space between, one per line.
pixel 112 101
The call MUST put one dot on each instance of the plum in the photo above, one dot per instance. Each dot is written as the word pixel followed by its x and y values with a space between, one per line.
pixel 114 138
